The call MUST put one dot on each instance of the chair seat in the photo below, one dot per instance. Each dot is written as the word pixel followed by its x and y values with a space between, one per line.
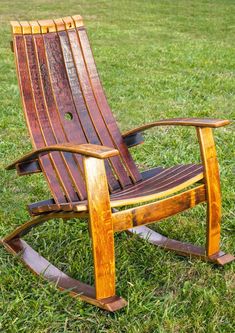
pixel 157 183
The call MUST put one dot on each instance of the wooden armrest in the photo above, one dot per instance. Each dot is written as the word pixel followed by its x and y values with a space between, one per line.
pixel 197 122
pixel 86 149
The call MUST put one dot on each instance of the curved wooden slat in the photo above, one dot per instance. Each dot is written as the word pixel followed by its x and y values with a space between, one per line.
pixel 181 248
pixel 80 105
pixel 92 108
pixel 59 160
pixel 196 122
pixel 40 266
pixel 143 192
pixel 43 206
pixel 31 119
pixel 103 106
pixel 58 124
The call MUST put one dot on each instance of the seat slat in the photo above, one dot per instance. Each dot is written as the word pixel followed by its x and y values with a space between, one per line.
pixel 156 188
pixel 138 186
pixel 165 178
pixel 175 179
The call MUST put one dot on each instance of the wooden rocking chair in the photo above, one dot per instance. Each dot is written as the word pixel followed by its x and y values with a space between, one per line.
pixel 86 162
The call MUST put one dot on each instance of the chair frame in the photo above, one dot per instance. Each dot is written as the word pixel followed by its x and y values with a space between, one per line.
pixel 105 219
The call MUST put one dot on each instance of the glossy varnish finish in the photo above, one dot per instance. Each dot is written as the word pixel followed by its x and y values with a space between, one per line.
pixel 89 169
pixel 62 105
pixel 213 192
pixel 101 227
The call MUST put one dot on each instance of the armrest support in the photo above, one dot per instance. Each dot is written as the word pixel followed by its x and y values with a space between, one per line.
pixel 133 139
pixel 196 122
pixel 86 149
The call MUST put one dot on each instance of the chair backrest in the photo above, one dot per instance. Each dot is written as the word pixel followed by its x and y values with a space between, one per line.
pixel 64 101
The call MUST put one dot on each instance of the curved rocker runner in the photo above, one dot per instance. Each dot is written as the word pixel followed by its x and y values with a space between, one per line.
pixel 85 159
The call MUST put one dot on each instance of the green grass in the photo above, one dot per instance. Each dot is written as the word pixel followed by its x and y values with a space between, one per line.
pixel 157 59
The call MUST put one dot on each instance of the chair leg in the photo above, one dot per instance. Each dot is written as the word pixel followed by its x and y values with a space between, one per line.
pixel 101 227
pixel 103 257
pixel 213 193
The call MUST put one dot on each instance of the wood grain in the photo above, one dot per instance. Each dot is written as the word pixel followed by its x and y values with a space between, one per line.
pixel 122 198
pixel 80 104
pixel 159 210
pixel 196 122
pixel 42 267
pixel 85 149
pixel 104 108
pixel 92 107
pixel 101 227
pixel 57 124
pixel 31 118
pixel 213 192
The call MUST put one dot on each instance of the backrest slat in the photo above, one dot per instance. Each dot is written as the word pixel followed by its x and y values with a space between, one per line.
pixel 64 102
pixel 79 103
pixel 104 107
pixel 31 118
pixel 44 121
pixel 92 108
pixel 73 163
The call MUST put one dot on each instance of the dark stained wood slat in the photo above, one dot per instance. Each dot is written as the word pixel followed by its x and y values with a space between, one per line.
pixel 161 188
pixel 82 112
pixel 93 109
pixel 73 163
pixel 62 93
pixel 164 180
pixel 43 120
pixel 163 174
pixel 104 107
pixel 142 189
pixel 31 119
pixel 46 203
pixel 133 140
pixel 151 172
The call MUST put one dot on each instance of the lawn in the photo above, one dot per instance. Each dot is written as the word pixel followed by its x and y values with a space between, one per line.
pixel 157 59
